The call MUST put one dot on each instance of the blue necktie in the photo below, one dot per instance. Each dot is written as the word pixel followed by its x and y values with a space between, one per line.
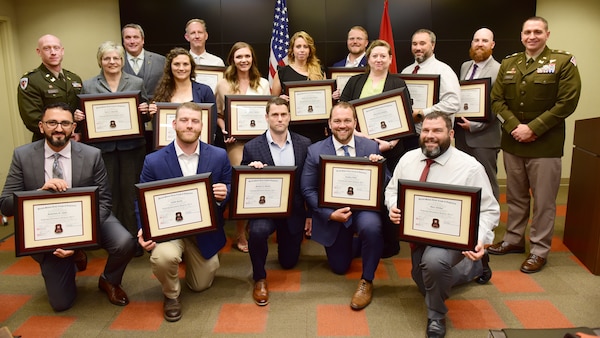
pixel 345 148
pixel 473 73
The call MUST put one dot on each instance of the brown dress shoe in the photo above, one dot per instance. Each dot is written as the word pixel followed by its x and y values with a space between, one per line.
pixel 533 264
pixel 503 248
pixel 80 259
pixel 172 309
pixel 261 292
pixel 116 295
pixel 363 295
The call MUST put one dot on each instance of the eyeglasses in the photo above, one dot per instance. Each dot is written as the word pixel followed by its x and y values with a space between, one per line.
pixel 53 124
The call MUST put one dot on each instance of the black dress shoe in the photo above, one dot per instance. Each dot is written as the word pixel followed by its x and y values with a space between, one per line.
pixel 487 271
pixel 115 293
pixel 80 259
pixel 172 309
pixel 436 328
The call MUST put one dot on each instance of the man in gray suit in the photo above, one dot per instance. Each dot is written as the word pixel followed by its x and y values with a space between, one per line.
pixel 478 139
pixel 56 164
pixel 142 63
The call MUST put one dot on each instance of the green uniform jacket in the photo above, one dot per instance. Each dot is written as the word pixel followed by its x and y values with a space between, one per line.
pixel 542 96
pixel 39 88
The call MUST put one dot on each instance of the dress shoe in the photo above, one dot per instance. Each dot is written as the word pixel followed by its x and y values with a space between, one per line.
pixel 436 328
pixel 503 248
pixel 533 264
pixel 115 293
pixel 172 309
pixel 486 275
pixel 261 292
pixel 80 259
pixel 363 295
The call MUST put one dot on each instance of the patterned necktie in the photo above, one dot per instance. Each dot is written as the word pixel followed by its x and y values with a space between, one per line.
pixel 425 171
pixel 416 69
pixel 345 148
pixel 57 171
pixel 473 73
pixel 136 65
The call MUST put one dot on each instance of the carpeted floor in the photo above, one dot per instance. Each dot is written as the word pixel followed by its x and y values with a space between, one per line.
pixel 308 301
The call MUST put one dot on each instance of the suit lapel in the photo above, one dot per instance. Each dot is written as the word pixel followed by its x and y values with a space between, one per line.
pixel 38 160
pixel 174 169
pixel 76 164
pixel 264 151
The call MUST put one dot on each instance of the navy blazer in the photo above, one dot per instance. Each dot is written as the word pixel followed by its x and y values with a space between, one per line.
pixel 325 231
pixel 355 85
pixel 163 164
pixel 342 62
pixel 257 149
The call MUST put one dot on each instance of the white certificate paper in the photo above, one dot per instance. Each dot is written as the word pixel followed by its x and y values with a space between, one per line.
pixel 263 193
pixel 310 102
pixel 470 100
pixel 437 215
pixel 351 183
pixel 251 118
pixel 177 209
pixel 418 95
pixel 111 117
pixel 382 117
pixel 58 220
pixel 208 79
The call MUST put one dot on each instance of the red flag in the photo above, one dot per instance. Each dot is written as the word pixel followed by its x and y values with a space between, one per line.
pixel 385 33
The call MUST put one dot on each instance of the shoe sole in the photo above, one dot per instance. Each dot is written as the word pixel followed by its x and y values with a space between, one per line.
pixel 532 271
pixel 491 252
pixel 357 308
pixel 172 319
pixel 261 304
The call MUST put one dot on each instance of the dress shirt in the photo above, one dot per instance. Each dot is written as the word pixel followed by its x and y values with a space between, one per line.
pixel 452 167
pixel 140 59
pixel 281 156
pixel 207 59
pixel 338 147
pixel 187 163
pixel 65 163
pixel 449 87
pixel 480 66
pixel 355 63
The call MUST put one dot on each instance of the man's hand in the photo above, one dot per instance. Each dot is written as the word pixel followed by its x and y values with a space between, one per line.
pixel 146 245
pixel 522 133
pixel 395 215
pixel 220 191
pixel 475 255
pixel 341 215
pixel 417 115
pixel 308 227
pixel 55 184
pixel 375 157
pixel 60 253
pixel 465 124
pixel 257 164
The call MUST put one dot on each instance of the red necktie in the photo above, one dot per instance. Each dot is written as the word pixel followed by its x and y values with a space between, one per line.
pixel 425 171
pixel 416 69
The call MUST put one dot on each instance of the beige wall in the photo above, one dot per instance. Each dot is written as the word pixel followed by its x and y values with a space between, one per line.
pixel 83 25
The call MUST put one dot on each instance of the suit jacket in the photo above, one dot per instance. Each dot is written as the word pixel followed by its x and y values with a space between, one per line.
pixel 163 164
pixel 128 82
pixel 257 149
pixel 482 135
pixel 26 173
pixel 342 62
pixel 151 71
pixel 356 83
pixel 325 231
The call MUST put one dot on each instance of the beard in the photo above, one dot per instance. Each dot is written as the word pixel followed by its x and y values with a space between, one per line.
pixel 442 146
pixel 58 142
pixel 480 54
pixel 187 137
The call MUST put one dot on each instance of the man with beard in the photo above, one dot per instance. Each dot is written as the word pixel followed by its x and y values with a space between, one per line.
pixel 481 139
pixel 357 42
pixel 187 156
pixel 57 164
pixel 436 270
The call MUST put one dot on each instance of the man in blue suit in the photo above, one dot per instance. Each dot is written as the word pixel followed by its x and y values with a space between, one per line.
pixel 186 156
pixel 357 42
pixel 277 147
pixel 336 228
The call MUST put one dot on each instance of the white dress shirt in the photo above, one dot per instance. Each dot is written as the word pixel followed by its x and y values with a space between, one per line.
pixel 64 160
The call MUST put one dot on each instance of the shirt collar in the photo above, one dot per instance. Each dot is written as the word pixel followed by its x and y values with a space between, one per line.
pixel 442 159
pixel 131 57
pixel 180 152
pixel 356 62
pixel 288 138
pixel 337 144
pixel 64 152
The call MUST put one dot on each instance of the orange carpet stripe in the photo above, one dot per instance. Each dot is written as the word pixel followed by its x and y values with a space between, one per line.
pixel 538 314
pixel 11 304
pixel 473 314
pixel 558 245
pixel 403 267
pixel 242 318
pixel 284 280
pixel 515 282
pixel 24 266
pixel 355 271
pixel 341 320
pixel 44 326
pixel 8 244
pixel 140 316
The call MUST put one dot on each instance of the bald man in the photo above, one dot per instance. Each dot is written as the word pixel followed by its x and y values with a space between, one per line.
pixel 47 84
pixel 478 139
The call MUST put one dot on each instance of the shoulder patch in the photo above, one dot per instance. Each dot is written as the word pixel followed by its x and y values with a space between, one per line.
pixel 23 83
pixel 29 72
pixel 558 51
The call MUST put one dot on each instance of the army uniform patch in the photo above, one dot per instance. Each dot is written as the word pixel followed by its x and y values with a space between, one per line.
pixel 24 82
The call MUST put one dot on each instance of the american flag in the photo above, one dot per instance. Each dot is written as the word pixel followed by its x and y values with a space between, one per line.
pixel 280 39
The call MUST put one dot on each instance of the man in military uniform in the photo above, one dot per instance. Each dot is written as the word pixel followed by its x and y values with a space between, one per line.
pixel 49 83
pixel 535 92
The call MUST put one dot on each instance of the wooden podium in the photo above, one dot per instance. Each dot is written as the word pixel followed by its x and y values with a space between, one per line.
pixel 582 223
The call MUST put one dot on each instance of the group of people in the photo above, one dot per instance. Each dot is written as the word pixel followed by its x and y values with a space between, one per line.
pixel 533 92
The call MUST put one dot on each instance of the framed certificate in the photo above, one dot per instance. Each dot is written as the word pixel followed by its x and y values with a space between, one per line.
pixel 386 116
pixel 209 75
pixel 475 100
pixel 441 215
pixel 245 115
pixel 424 89
pixel 111 116
pixel 310 101
pixel 165 115
pixel 341 75
pixel 177 207
pixel 46 221
pixel 262 193
pixel 354 182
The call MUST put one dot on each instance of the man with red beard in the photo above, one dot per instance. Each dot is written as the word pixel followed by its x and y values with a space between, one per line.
pixel 478 139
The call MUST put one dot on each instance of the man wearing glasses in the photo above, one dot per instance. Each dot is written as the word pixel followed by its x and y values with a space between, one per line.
pixel 57 164
pixel 49 83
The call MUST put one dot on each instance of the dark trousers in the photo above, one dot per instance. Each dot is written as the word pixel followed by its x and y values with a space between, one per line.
pixel 288 244
pixel 59 273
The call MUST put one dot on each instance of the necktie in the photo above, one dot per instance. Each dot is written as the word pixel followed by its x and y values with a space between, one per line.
pixel 425 171
pixel 57 171
pixel 473 73
pixel 345 148
pixel 529 62
pixel 136 65
pixel 416 69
